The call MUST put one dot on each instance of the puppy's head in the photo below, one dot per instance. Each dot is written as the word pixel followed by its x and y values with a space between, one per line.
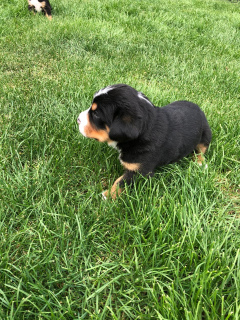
pixel 117 113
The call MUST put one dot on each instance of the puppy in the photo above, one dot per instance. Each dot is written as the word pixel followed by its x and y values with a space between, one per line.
pixel 41 5
pixel 146 136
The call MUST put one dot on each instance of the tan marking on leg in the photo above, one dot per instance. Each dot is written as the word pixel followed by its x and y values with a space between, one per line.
pixel 115 190
pixel 43 4
pixel 49 17
pixel 201 149
pixel 94 106
pixel 131 166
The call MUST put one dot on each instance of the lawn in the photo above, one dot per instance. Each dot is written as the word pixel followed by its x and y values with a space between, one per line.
pixel 168 248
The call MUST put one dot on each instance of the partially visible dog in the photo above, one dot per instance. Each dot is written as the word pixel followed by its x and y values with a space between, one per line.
pixel 146 136
pixel 41 6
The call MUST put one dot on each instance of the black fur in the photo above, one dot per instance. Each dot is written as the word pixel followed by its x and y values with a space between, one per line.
pixel 146 134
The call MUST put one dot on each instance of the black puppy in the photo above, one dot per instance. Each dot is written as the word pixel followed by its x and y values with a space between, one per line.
pixel 41 5
pixel 146 136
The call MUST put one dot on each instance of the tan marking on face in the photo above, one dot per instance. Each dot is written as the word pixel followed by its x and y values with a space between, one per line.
pixel 93 133
pixel 115 190
pixel 131 166
pixel 94 106
pixel 201 149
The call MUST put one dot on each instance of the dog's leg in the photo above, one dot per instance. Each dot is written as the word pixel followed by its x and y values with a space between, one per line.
pixel 200 149
pixel 115 190
pixel 132 170
pixel 49 17
pixel 47 10
pixel 118 185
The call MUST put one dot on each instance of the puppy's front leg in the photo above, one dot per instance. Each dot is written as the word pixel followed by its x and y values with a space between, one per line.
pixel 118 185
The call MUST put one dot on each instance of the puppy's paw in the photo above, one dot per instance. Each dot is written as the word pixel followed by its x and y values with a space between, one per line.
pixel 203 165
pixel 105 195
pixel 113 194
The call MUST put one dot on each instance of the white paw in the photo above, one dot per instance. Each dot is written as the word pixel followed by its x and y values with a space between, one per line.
pixel 200 165
pixel 103 196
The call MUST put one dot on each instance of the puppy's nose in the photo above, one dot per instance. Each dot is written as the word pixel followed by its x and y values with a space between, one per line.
pixel 78 120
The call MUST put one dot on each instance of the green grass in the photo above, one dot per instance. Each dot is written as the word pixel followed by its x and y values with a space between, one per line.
pixel 169 247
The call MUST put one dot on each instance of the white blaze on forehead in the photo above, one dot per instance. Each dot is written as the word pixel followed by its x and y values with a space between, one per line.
pixel 84 121
pixel 103 91
pixel 36 4
pixel 141 96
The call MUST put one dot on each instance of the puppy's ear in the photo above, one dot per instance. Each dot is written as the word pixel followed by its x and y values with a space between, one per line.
pixel 125 128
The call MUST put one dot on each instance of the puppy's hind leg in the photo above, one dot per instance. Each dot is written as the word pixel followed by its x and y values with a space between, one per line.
pixel 200 150
pixel 202 147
